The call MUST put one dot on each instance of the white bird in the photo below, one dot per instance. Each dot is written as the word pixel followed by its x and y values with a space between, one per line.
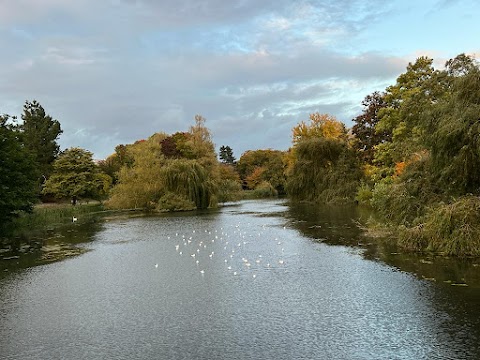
pixel 202 272
pixel 74 219
pixel 280 262
pixel 156 265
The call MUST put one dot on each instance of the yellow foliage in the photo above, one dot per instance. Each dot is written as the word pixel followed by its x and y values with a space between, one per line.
pixel 321 125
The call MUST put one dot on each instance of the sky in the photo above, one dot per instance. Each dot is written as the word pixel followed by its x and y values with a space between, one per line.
pixel 116 71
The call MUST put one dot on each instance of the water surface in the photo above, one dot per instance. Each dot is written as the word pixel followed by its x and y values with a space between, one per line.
pixel 253 281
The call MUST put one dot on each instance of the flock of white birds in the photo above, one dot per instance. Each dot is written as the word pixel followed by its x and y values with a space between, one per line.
pixel 237 250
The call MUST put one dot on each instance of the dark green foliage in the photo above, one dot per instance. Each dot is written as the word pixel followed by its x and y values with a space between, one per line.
pixel 39 134
pixel 325 170
pixel 17 174
pixel 455 145
pixel 366 136
pixel 226 155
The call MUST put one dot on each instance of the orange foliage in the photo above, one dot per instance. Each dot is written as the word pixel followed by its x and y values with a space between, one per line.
pixel 399 168
pixel 255 178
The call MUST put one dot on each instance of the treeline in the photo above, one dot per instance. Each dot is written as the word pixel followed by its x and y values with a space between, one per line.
pixel 413 155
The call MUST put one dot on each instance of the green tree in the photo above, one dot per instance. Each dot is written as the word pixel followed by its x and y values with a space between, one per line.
pixel 321 166
pixel 455 144
pixel 75 175
pixel 39 134
pixel 401 117
pixel 226 155
pixel 17 174
pixel 140 185
pixel 324 169
pixel 364 130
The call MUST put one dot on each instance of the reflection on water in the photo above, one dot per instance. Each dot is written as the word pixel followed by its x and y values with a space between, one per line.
pixel 244 282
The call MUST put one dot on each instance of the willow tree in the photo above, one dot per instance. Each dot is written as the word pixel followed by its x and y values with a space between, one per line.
pixel 139 182
pixel 455 143
pixel 322 166
pixel 189 180
pixel 324 170
pixel 176 172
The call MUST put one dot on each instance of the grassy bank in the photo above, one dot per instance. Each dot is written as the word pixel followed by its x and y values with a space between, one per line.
pixel 47 217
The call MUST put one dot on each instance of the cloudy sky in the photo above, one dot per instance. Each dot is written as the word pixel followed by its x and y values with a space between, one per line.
pixel 115 71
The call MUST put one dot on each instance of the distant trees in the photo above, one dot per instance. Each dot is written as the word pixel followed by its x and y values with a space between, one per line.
pixel 258 166
pixel 75 175
pixel 226 155
pixel 322 166
pixel 169 172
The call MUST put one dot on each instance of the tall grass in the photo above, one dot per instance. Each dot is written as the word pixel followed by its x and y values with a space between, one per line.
pixel 450 229
pixel 46 217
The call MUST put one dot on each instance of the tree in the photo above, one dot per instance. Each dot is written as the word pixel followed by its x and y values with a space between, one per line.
pixel 366 136
pixel 226 155
pixel 17 174
pixel 321 166
pixel 405 101
pixel 39 134
pixel 266 164
pixel 75 175
pixel 321 125
pixel 455 143
pixel 176 172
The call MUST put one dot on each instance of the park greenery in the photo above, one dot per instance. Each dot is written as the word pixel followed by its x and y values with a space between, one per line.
pixel 412 155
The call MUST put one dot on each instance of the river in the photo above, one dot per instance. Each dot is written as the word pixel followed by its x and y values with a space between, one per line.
pixel 254 280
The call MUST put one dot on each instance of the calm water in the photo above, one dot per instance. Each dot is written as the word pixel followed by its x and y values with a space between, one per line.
pixel 252 281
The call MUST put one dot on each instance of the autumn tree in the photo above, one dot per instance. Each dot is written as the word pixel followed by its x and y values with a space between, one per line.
pixel 321 125
pixel 256 166
pixel 40 133
pixel 176 172
pixel 321 164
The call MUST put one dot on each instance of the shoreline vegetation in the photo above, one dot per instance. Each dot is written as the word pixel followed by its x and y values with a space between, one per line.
pixel 412 157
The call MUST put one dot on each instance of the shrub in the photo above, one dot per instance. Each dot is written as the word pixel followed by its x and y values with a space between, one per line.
pixel 451 229
pixel 264 190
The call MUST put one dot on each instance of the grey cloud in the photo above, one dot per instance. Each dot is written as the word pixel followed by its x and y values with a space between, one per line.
pixel 124 80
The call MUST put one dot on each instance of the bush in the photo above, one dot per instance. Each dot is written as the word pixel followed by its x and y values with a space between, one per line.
pixel 364 194
pixel 264 190
pixel 450 229
pixel 174 202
